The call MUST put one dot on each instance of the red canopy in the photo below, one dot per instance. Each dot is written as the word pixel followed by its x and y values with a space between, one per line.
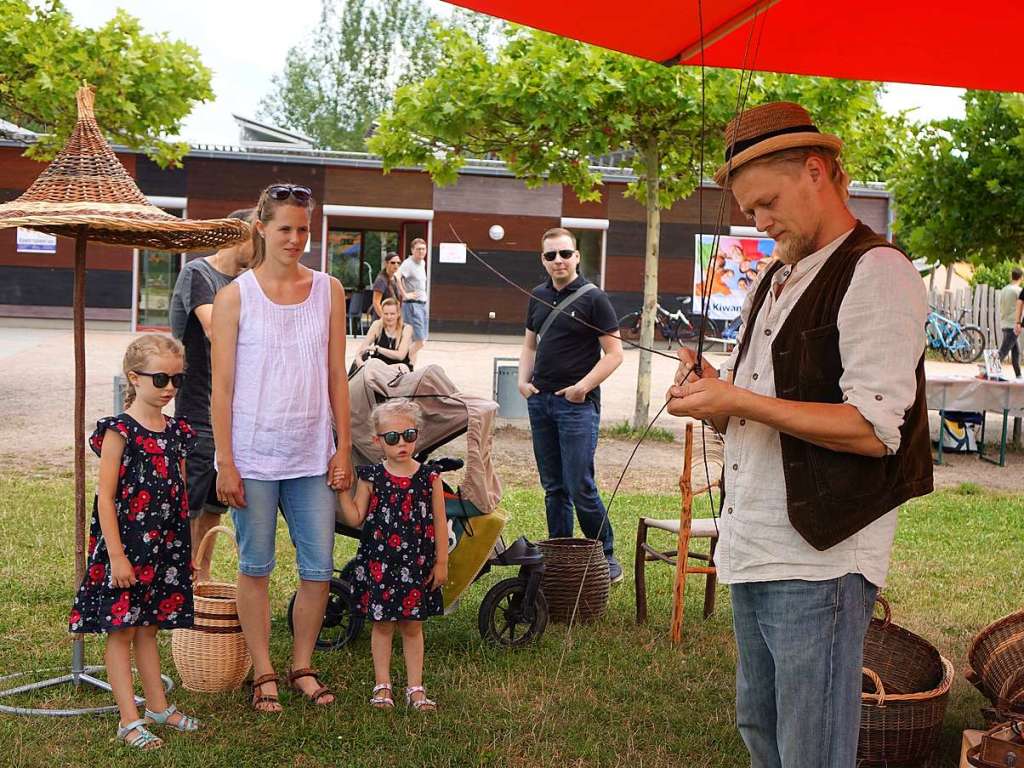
pixel 938 42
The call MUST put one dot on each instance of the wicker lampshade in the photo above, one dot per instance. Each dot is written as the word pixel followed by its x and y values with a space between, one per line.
pixel 86 185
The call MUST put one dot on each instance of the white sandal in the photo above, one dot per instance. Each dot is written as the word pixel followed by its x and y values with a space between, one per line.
pixel 143 739
pixel 185 723
pixel 382 702
pixel 421 705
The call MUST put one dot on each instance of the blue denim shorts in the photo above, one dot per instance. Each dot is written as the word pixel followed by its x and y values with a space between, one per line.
pixel 308 505
pixel 415 314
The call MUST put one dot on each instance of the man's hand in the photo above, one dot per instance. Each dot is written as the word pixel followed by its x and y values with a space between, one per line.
pixel 708 398
pixel 526 389
pixel 687 360
pixel 574 394
pixel 1017 329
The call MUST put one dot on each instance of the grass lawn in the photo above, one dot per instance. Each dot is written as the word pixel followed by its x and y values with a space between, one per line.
pixel 608 694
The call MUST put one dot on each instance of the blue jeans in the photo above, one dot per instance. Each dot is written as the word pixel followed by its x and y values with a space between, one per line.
pixel 798 677
pixel 308 505
pixel 564 442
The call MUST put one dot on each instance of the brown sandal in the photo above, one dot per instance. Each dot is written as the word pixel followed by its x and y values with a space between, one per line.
pixel 315 696
pixel 258 697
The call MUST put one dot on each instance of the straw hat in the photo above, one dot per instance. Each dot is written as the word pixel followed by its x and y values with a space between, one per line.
pixel 770 128
pixel 86 185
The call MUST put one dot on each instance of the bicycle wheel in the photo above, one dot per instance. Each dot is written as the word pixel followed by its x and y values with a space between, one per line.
pixel 968 344
pixel 629 326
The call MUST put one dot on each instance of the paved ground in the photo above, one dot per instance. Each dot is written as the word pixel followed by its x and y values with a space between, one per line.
pixel 36 407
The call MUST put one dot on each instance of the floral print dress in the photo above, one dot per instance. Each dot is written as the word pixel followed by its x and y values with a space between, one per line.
pixel 152 515
pixel 397 550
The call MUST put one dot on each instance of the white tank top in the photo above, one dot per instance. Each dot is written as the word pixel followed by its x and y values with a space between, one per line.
pixel 281 413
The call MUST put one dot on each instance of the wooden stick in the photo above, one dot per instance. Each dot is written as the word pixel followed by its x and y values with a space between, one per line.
pixel 79 341
pixel 683 542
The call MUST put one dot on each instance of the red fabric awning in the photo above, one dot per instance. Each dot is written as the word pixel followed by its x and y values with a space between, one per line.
pixel 939 42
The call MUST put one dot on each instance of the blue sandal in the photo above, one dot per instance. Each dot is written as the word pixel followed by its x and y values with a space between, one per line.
pixel 143 739
pixel 185 723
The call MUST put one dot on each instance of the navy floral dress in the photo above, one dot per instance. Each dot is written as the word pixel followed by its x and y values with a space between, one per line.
pixel 397 550
pixel 152 514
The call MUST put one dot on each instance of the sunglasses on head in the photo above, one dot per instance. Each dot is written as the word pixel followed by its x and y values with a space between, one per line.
pixel 284 191
pixel 392 437
pixel 161 380
pixel 565 253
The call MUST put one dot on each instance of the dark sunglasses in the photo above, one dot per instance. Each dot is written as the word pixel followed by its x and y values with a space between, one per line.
pixel 565 253
pixel 395 261
pixel 392 437
pixel 283 191
pixel 161 380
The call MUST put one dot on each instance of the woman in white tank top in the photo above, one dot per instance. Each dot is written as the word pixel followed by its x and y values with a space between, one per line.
pixel 279 386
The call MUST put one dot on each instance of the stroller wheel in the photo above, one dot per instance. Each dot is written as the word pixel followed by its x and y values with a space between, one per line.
pixel 505 621
pixel 342 618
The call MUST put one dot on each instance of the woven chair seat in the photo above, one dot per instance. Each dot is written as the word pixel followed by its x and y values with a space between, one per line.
pixel 700 527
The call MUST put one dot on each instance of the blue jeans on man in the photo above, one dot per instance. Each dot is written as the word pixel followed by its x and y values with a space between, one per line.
pixel 798 678
pixel 564 442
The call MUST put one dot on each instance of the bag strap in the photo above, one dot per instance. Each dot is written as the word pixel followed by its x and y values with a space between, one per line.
pixel 555 311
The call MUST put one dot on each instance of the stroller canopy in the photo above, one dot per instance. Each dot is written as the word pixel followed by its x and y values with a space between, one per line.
pixel 447 413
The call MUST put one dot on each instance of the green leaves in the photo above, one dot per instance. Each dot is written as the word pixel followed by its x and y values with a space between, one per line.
pixel 146 84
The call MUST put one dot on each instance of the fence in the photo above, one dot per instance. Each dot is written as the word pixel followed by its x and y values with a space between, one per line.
pixel 981 303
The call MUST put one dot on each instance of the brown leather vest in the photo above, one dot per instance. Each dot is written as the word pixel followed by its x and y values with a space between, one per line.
pixel 831 495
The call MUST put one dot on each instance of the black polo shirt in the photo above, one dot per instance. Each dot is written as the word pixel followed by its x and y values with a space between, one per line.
pixel 569 349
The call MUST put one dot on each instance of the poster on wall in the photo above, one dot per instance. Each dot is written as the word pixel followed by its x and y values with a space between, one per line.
pixel 30 241
pixel 739 260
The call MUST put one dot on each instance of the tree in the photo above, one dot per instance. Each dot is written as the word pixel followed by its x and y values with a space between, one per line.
pixel 960 192
pixel 547 104
pixel 146 84
pixel 334 87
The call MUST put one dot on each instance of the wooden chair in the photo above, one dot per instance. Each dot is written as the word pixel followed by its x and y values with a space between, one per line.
pixel 693 480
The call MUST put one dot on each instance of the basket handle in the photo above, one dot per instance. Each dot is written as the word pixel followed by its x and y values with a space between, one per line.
pixel 886 611
pixel 877 682
pixel 207 541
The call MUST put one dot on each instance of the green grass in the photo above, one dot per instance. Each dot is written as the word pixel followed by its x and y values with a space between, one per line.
pixel 623 430
pixel 610 694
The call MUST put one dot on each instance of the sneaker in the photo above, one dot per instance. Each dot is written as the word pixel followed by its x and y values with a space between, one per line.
pixel 614 570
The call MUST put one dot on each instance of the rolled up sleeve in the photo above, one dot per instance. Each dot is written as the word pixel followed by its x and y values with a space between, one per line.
pixel 881 340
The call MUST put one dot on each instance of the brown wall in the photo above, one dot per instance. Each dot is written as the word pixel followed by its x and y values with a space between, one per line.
pixel 367 186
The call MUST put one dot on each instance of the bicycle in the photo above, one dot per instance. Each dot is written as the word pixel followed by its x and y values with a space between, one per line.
pixel 957 341
pixel 672 326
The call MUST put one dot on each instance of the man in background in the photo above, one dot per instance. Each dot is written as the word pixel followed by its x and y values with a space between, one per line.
pixel 1009 318
pixel 413 274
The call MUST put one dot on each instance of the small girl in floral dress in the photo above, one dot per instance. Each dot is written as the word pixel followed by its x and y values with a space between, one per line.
pixel 139 575
pixel 402 561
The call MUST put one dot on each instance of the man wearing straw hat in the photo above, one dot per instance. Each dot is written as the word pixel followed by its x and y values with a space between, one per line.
pixel 191 319
pixel 826 434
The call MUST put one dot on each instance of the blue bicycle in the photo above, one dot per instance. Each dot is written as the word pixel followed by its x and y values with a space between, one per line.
pixel 957 341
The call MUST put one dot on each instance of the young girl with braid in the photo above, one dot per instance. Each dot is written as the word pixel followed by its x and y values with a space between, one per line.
pixel 138 578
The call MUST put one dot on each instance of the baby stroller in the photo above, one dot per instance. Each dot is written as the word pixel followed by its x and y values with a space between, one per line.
pixel 514 612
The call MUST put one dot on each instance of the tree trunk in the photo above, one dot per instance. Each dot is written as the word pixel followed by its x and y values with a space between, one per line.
pixel 652 163
pixel 949 276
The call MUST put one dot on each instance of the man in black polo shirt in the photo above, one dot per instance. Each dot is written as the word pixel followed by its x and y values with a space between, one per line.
pixel 191 313
pixel 560 370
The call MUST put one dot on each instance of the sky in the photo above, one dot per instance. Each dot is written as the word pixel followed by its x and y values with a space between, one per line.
pixel 246 42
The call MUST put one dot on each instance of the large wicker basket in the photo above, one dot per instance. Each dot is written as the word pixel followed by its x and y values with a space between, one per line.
pixel 996 657
pixel 212 656
pixel 905 694
pixel 575 581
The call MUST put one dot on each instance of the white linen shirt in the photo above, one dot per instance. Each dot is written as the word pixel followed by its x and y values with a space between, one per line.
pixel 881 339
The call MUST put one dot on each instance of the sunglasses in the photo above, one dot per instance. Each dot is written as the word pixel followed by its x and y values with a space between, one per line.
pixel 284 191
pixel 566 254
pixel 161 380
pixel 392 437
pixel 396 262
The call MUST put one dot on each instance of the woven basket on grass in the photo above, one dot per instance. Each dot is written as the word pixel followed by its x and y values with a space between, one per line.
pixel 574 568
pixel 996 657
pixel 212 656
pixel 905 694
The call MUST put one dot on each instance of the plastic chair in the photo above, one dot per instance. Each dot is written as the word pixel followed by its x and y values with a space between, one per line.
pixel 354 313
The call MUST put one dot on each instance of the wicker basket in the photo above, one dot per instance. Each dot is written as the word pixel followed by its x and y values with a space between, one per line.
pixel 575 581
pixel 904 700
pixel 996 657
pixel 212 656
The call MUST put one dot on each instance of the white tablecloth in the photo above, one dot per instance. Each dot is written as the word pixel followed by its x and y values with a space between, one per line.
pixel 964 393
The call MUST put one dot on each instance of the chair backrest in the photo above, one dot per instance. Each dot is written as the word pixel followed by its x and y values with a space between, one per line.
pixel 355 304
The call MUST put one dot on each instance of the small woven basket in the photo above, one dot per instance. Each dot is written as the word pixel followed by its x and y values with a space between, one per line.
pixel 996 657
pixel 904 700
pixel 212 656
pixel 575 579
